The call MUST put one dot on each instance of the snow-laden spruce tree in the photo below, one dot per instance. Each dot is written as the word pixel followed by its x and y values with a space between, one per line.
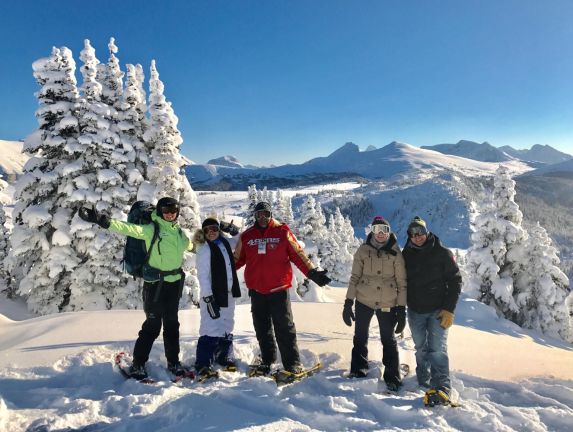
pixel 288 216
pixel 252 197
pixel 499 249
pixel 345 232
pixel 133 123
pixel 5 285
pixel 103 180
pixel 165 172
pixel 41 259
pixel 544 297
pixel 334 254
pixel 278 205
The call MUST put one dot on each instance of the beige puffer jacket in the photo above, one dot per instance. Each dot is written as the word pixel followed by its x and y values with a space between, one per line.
pixel 378 277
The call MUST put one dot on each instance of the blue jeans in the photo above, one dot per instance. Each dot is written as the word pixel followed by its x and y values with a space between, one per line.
pixel 431 343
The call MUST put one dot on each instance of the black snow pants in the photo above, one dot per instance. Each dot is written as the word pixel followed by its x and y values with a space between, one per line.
pixel 161 311
pixel 390 357
pixel 273 311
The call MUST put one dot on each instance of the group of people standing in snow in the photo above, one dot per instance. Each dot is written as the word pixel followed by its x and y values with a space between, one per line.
pixel 384 280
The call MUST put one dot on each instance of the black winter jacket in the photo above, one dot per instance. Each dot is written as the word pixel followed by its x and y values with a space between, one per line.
pixel 434 279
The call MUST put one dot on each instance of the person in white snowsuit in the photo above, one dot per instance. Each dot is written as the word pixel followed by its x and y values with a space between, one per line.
pixel 219 286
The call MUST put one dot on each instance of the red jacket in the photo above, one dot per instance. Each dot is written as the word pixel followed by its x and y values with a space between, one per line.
pixel 267 255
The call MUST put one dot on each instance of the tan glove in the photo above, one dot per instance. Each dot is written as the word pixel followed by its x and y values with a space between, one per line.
pixel 447 319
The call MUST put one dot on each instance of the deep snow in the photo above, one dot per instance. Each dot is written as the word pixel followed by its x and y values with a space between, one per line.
pixel 56 373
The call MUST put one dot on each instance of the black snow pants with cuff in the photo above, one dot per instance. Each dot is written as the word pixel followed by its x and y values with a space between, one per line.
pixel 272 316
pixel 160 310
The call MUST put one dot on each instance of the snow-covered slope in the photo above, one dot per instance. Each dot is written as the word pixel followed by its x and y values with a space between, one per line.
pixel 484 152
pixel 56 373
pixel 395 159
pixel 12 159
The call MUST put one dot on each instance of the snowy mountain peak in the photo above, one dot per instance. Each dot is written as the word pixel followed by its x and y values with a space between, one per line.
pixel 228 161
pixel 348 148
pixel 370 148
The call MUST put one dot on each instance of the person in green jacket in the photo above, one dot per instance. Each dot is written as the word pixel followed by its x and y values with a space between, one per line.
pixel 163 280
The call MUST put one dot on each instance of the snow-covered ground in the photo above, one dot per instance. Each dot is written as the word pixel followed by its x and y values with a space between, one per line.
pixel 57 373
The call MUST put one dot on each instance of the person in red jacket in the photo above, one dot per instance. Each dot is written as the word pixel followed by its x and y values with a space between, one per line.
pixel 266 250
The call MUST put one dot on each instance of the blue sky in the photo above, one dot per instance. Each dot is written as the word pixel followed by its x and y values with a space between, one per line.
pixel 274 82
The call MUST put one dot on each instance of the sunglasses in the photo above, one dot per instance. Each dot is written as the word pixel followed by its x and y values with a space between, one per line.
pixel 380 228
pixel 417 231
pixel 211 228
pixel 262 213
pixel 169 209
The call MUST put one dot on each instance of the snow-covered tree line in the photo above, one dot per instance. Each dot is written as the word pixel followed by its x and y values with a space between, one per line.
pixel 516 271
pixel 99 144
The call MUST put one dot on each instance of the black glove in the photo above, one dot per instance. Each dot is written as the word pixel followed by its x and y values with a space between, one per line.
pixel 318 277
pixel 212 307
pixel 93 216
pixel 400 312
pixel 229 228
pixel 348 313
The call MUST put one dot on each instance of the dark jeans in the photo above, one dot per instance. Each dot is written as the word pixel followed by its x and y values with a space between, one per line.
pixel 161 312
pixel 214 349
pixel 390 356
pixel 272 316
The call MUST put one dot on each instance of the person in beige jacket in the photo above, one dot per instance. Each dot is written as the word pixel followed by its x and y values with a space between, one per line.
pixel 378 283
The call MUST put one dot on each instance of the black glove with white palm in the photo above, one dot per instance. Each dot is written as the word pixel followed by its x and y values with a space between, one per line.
pixel 319 277
pixel 212 307
pixel 93 216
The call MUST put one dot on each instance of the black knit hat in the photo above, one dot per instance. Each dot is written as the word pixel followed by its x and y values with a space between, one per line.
pixel 418 222
pixel 167 202
pixel 209 222
pixel 263 205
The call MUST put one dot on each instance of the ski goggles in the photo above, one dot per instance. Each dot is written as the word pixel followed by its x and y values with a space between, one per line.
pixel 380 228
pixel 417 231
pixel 262 213
pixel 211 228
pixel 170 209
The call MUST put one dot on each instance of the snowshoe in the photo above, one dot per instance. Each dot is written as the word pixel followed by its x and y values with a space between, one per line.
pixel 259 369
pixel 435 397
pixel 230 366
pixel 283 377
pixel 206 374
pixel 133 370
pixel 180 372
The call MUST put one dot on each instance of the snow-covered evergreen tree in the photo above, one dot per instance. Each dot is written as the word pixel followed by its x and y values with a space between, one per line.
pixel 512 271
pixel 133 123
pixel 543 289
pixel 5 285
pixel 103 179
pixel 497 231
pixel 278 206
pixel 334 255
pixel 288 216
pixel 41 260
pixel 253 199
pixel 165 171
pixel 110 77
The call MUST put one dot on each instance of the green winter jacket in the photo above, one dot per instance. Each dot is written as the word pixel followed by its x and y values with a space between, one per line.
pixel 168 249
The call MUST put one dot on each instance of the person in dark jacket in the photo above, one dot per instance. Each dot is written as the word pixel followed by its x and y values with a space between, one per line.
pixel 434 285
pixel 378 283
pixel 163 280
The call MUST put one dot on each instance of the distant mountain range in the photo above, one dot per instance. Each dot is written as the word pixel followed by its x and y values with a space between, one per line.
pixel 485 152
pixel 346 163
